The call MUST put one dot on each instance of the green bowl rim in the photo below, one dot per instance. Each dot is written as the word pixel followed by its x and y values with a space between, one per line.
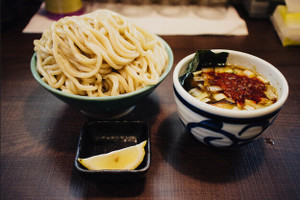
pixel 36 75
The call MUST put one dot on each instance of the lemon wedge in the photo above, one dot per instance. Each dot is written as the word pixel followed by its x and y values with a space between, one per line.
pixel 127 158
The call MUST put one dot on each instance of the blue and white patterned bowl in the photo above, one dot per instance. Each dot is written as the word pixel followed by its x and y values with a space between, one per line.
pixel 223 128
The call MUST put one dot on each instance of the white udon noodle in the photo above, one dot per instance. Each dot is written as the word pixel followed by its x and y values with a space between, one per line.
pixel 99 54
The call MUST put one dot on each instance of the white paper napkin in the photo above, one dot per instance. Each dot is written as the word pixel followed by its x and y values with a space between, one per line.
pixel 163 19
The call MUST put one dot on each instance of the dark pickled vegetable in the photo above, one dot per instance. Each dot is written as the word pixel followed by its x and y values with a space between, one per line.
pixel 202 59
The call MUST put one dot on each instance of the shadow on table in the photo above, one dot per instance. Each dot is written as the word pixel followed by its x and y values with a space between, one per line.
pixel 190 157
pixel 53 125
pixel 56 126
pixel 54 129
pixel 82 187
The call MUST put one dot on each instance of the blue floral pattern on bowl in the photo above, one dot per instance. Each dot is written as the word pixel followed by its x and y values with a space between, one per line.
pixel 218 131
pixel 216 126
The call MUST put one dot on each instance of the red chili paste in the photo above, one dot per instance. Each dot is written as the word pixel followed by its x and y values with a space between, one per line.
pixel 239 87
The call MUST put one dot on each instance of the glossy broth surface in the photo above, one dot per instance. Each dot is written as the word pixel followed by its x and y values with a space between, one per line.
pixel 232 87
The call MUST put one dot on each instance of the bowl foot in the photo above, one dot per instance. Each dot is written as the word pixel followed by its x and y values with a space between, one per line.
pixel 107 115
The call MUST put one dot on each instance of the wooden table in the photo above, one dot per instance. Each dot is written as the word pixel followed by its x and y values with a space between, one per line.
pixel 39 134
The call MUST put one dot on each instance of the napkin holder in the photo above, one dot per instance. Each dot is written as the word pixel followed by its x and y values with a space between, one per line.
pixel 287 25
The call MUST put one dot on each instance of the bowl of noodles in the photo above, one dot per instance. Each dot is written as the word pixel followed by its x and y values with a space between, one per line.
pixel 100 63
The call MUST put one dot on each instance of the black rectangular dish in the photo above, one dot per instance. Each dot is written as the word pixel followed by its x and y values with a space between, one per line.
pixel 98 137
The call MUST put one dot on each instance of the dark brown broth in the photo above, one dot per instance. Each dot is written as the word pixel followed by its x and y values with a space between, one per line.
pixel 232 87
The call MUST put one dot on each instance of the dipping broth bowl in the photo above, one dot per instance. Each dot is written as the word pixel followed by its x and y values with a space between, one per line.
pixel 224 128
pixel 110 107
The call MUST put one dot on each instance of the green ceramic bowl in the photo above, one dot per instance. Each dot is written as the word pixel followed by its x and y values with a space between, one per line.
pixel 104 107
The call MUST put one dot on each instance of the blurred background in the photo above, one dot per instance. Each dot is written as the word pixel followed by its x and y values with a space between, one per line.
pixel 15 14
